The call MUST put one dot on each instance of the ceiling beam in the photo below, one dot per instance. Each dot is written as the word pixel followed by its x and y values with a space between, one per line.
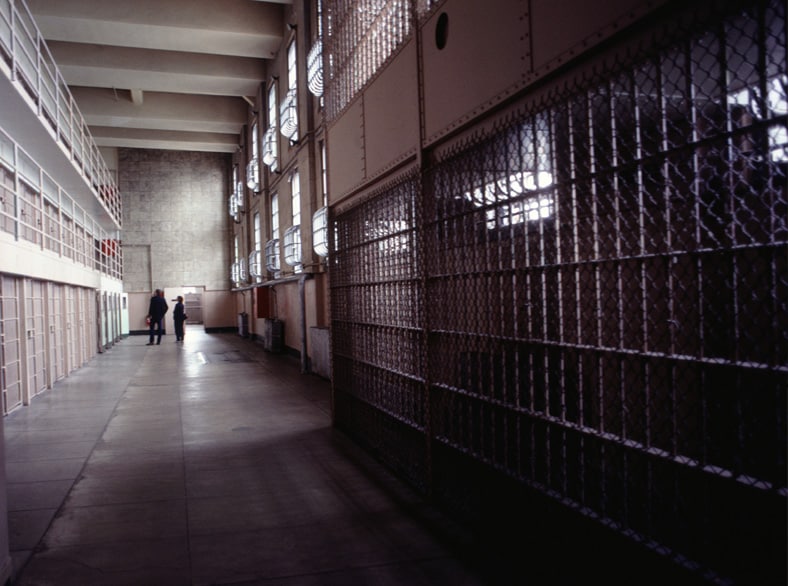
pixel 107 136
pixel 162 71
pixel 148 66
pixel 105 107
pixel 230 27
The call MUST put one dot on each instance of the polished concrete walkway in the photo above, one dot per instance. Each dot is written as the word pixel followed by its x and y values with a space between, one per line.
pixel 208 462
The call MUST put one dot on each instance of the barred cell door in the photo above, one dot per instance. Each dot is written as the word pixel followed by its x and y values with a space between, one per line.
pixel 55 332
pixel 10 349
pixel 90 321
pixel 103 322
pixel 79 327
pixel 118 316
pixel 109 307
pixel 7 200
pixel 82 333
pixel 35 339
pixel 72 329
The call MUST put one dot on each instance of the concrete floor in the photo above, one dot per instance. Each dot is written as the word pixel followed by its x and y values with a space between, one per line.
pixel 208 462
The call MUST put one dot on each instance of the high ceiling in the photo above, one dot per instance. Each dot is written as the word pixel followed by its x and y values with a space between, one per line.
pixel 164 74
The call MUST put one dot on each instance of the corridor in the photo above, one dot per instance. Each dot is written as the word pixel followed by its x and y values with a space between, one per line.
pixel 208 462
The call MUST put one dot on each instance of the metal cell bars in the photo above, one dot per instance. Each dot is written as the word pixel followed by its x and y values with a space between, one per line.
pixel 7 200
pixel 376 303
pixel 11 376
pixel 627 347
pixel 360 36
pixel 35 333
pixel 490 217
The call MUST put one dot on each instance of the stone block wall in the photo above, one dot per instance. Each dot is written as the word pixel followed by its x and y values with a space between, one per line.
pixel 176 229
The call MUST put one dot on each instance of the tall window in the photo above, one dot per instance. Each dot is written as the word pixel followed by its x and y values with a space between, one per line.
pixel 255 257
pixel 253 169
pixel 289 109
pixel 314 60
pixel 235 269
pixel 275 216
pixel 323 172
pixel 295 197
pixel 270 139
pixel 320 217
pixel 272 246
pixel 292 71
pixel 257 239
pixel 293 234
pixel 236 196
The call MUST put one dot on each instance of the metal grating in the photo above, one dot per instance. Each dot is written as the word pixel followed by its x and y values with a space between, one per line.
pixel 591 301
pixel 360 36
pixel 377 327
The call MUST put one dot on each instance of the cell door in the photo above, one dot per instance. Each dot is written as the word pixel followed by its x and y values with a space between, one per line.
pixel 7 200
pixel 56 340
pixel 90 324
pixel 35 339
pixel 102 325
pixel 115 318
pixel 10 345
pixel 112 313
pixel 81 337
pixel 71 329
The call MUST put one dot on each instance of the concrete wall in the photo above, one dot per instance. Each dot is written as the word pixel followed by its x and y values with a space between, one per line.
pixel 176 229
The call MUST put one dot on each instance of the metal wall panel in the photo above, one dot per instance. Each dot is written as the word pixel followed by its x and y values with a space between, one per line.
pixel 346 152
pixel 562 30
pixel 484 58
pixel 391 115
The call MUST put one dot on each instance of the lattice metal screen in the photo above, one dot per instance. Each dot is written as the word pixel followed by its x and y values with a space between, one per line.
pixel 592 301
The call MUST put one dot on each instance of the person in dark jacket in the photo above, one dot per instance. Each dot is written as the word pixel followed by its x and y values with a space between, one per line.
pixel 179 317
pixel 156 310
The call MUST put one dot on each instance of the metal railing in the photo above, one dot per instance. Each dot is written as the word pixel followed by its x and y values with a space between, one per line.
pixel 35 209
pixel 30 65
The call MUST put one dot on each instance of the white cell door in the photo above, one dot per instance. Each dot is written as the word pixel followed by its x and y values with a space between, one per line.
pixel 56 343
pixel 10 344
pixel 105 319
pixel 72 329
pixel 90 324
pixel 35 339
pixel 82 333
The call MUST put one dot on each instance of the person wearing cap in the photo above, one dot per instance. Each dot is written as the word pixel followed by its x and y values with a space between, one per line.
pixel 179 317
